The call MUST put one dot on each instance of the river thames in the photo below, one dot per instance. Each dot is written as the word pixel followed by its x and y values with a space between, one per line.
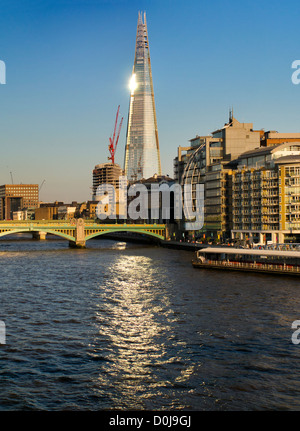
pixel 135 326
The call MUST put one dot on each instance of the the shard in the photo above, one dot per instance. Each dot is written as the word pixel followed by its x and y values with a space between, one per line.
pixel 142 157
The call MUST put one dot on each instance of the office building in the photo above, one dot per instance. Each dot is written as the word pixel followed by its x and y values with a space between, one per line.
pixel 17 197
pixel 142 156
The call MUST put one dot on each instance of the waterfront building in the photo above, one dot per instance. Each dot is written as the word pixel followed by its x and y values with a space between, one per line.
pixel 142 155
pixel 266 194
pixel 236 138
pixel 46 213
pixel 218 203
pixel 196 154
pixel 180 162
pixel 206 161
pixel 17 197
pixel 59 210
pixel 274 138
pixel 66 212
pixel 56 211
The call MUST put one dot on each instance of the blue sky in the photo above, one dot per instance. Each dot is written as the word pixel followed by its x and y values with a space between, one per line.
pixel 68 64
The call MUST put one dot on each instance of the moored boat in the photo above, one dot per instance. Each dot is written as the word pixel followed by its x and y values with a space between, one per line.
pixel 250 260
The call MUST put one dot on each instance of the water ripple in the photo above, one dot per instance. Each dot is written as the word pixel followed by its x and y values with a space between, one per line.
pixel 137 327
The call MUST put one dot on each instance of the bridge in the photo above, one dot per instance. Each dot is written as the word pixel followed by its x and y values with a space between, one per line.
pixel 77 231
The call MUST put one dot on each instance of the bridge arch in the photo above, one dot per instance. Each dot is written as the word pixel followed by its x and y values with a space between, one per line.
pixel 142 232
pixel 50 231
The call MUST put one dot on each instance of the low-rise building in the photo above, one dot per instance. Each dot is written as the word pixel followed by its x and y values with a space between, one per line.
pixel 87 210
pixel 20 215
pixel 47 210
pixel 66 212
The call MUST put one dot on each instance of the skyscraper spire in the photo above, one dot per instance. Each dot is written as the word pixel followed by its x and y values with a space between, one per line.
pixel 142 157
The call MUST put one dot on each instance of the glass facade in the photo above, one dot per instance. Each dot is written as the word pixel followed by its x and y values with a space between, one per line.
pixel 142 158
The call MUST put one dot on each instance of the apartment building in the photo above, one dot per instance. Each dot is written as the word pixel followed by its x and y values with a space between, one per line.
pixel 266 194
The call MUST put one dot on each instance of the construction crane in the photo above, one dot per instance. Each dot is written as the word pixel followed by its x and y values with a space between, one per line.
pixel 11 176
pixel 112 143
pixel 41 185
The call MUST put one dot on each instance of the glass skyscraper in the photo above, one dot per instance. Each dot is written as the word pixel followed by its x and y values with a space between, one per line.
pixel 142 158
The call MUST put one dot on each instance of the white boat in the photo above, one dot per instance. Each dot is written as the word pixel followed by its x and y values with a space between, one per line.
pixel 250 260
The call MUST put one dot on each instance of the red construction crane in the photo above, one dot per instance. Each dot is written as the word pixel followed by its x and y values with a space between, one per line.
pixel 112 144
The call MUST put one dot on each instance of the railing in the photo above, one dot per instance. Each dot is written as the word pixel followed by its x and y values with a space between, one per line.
pixel 248 265
pixel 33 225
pixel 87 222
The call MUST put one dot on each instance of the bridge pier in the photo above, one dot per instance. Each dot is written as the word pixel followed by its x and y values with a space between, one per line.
pixel 77 244
pixel 79 235
pixel 40 236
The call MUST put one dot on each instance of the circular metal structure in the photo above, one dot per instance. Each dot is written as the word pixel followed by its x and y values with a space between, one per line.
pixel 194 172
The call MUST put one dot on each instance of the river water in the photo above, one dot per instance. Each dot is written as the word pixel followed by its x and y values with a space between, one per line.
pixel 135 326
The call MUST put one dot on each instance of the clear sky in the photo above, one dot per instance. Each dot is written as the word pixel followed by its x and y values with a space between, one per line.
pixel 68 64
